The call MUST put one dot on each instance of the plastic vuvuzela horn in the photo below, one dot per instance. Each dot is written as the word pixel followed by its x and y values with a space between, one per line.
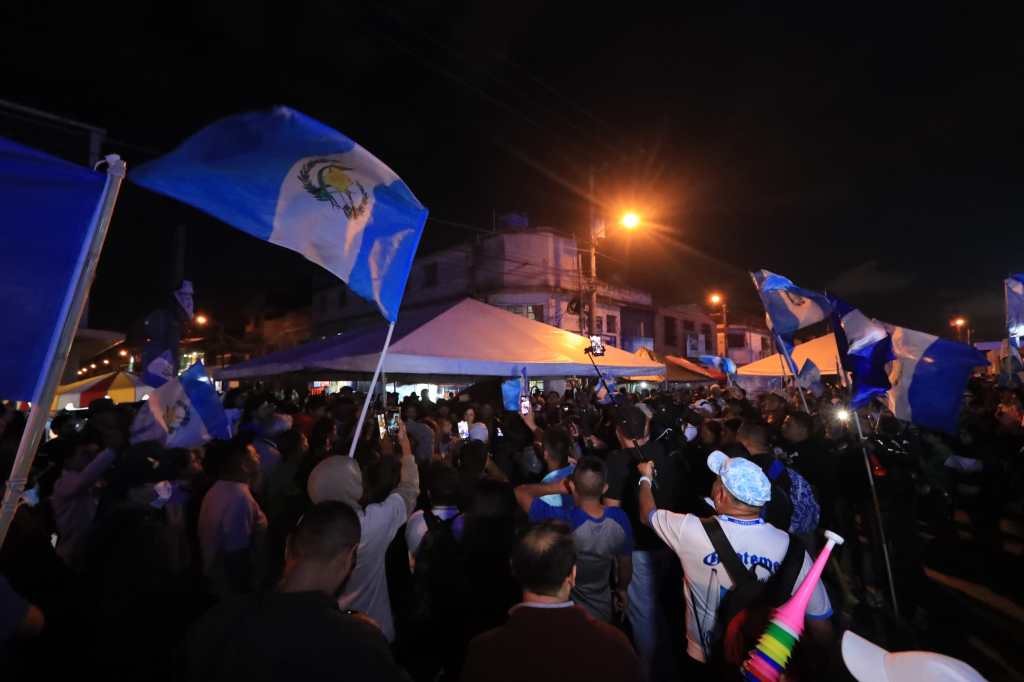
pixel 769 658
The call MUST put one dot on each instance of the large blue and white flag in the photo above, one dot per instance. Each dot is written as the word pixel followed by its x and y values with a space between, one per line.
pixel 48 211
pixel 865 350
pixel 183 413
pixel 789 308
pixel 928 377
pixel 288 179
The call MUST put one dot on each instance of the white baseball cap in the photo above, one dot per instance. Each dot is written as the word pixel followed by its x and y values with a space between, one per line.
pixel 869 662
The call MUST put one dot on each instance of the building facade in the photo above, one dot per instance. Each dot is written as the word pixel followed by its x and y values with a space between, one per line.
pixel 534 273
pixel 745 343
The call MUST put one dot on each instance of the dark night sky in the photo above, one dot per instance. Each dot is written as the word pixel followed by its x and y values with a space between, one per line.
pixel 872 151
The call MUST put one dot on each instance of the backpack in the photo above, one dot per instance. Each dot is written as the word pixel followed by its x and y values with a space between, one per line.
pixel 438 576
pixel 792 506
pixel 744 611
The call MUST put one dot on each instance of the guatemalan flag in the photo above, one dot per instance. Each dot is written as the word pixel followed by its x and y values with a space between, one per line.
pixel 789 307
pixel 183 413
pixel 288 179
pixel 865 349
pixel 928 377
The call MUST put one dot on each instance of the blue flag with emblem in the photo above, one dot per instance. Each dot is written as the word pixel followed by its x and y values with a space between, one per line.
pixel 288 179
pixel 789 308
pixel 185 412
pixel 48 214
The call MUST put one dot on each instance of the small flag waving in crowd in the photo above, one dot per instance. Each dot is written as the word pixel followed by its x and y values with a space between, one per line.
pixel 767 661
pixel 183 413
pixel 288 179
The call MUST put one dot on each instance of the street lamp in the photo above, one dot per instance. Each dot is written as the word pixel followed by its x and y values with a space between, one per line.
pixel 630 220
pixel 123 353
pixel 959 323
pixel 718 299
pixel 201 319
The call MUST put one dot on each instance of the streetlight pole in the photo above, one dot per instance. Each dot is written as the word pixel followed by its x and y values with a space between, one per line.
pixel 591 328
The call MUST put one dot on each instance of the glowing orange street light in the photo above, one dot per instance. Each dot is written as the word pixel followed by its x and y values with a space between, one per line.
pixel 630 220
pixel 106 362
pixel 959 322
pixel 715 299
pixel 201 319
pixel 123 353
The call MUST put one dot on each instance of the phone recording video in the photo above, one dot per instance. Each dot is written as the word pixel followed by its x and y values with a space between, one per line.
pixel 382 425
pixel 393 426
pixel 524 405
pixel 463 430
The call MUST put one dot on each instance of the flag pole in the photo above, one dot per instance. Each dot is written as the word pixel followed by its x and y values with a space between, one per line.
pixel 878 515
pixel 60 344
pixel 369 392
pixel 792 368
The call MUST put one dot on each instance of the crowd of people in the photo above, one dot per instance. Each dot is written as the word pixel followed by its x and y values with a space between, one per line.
pixel 644 538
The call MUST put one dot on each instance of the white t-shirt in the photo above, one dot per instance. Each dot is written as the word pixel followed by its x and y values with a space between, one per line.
pixel 229 518
pixel 757 544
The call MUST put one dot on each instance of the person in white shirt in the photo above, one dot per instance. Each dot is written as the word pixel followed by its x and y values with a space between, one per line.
pixel 738 494
pixel 75 500
pixel 339 478
pixel 443 492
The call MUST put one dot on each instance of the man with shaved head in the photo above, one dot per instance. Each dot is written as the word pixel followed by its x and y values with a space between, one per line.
pixel 283 635
pixel 603 536
pixel 546 564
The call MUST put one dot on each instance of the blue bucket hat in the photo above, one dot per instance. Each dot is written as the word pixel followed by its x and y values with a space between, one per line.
pixel 742 478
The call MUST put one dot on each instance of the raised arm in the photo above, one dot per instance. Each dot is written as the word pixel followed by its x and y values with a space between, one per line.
pixel 525 494
pixel 645 495
pixel 409 481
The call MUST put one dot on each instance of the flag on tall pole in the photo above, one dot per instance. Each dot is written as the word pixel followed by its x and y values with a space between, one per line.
pixel 288 179
pixel 54 217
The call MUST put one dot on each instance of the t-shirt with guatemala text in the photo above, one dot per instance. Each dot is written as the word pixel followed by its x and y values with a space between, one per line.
pixel 757 544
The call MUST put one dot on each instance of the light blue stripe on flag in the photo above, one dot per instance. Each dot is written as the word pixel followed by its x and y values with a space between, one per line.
pixel 47 208
pixel 288 179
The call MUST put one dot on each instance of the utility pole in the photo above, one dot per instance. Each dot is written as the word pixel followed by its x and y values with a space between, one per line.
pixel 593 259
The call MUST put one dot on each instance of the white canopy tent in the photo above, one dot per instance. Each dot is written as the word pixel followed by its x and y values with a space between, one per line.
pixel 822 351
pixel 464 338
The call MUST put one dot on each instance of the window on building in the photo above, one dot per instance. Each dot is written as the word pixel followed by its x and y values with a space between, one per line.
pixel 689 326
pixel 598 324
pixel 612 324
pixel 766 344
pixel 671 335
pixel 536 312
pixel 705 329
pixel 430 275
pixel 736 340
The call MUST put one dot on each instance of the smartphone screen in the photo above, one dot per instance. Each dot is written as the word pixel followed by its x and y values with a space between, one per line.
pixel 382 425
pixel 393 422
pixel 524 405
pixel 463 430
